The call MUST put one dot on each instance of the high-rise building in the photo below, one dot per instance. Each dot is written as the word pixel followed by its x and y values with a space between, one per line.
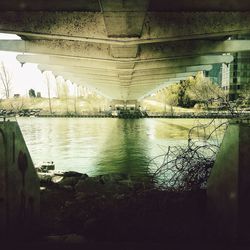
pixel 239 75
pixel 220 75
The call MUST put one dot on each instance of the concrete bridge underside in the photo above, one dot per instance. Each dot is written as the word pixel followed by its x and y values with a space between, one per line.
pixel 125 49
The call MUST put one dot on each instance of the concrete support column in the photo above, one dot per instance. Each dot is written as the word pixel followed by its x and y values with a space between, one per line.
pixel 3 201
pixel 19 185
pixel 228 192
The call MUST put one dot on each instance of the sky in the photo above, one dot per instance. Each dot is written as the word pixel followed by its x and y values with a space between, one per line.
pixel 24 77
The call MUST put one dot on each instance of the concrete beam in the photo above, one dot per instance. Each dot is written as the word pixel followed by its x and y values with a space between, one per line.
pixel 101 80
pixel 192 48
pixel 58 47
pixel 47 5
pixel 158 26
pixel 118 90
pixel 72 69
pixel 145 75
pixel 90 71
pixel 124 24
pixel 140 84
pixel 178 62
pixel 138 5
pixel 136 65
pixel 123 51
pixel 124 18
pixel 157 88
pixel 173 26
pixel 146 52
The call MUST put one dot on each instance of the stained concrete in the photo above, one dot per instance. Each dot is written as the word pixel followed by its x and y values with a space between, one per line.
pixel 228 191
pixel 125 35
pixel 19 184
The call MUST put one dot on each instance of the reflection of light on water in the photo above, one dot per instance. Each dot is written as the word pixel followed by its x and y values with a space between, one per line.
pixel 98 146
pixel 150 135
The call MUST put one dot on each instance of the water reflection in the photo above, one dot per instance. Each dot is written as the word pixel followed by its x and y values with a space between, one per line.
pixel 126 149
pixel 98 146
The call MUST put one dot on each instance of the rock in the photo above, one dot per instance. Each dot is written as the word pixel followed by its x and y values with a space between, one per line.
pixel 89 185
pixel 45 179
pixel 75 239
pixel 119 196
pixel 67 187
pixel 69 181
pixel 68 238
pixel 84 177
pixel 83 196
pixel 127 183
pixel 56 179
pixel 68 203
pixel 91 225
pixel 80 196
pixel 72 174
pixel 113 178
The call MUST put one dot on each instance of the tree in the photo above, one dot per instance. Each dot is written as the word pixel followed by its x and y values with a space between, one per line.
pixel 47 75
pixel 202 90
pixel 65 94
pixel 32 93
pixel 5 81
pixel 245 95
pixel 169 96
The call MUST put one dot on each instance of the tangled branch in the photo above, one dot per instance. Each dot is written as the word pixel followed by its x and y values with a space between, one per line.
pixel 188 167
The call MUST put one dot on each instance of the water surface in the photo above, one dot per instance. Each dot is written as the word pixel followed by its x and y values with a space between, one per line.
pixel 102 145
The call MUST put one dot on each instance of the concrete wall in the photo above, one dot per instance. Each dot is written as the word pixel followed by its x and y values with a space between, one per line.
pixel 228 192
pixel 19 184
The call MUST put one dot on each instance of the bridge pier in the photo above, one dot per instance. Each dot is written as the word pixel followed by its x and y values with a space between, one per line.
pixel 19 185
pixel 228 192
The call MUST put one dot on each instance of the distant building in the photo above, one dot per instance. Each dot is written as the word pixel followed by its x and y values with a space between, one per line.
pixel 239 74
pixel 225 77
pixel 214 74
pixel 220 75
pixel 16 95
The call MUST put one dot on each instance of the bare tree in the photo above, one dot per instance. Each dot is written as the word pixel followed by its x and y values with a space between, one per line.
pixel 76 97
pixel 169 97
pixel 5 80
pixel 204 91
pixel 65 91
pixel 47 76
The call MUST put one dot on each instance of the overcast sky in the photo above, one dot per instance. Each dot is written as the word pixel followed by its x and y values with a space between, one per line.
pixel 23 78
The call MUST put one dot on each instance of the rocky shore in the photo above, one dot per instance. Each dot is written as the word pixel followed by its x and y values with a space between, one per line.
pixel 117 208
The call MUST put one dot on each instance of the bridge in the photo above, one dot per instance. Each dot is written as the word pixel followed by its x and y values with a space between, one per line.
pixel 128 49
pixel 125 49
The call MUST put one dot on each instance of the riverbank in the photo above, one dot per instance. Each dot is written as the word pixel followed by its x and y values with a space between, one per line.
pixel 187 115
pixel 137 217
pixel 117 208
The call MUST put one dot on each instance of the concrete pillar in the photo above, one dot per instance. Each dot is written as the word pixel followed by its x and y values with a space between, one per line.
pixel 19 185
pixel 3 211
pixel 228 192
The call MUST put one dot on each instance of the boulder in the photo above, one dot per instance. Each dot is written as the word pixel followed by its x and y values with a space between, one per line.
pixel 73 174
pixel 113 178
pixel 89 185
pixel 67 238
pixel 69 181
pixel 57 179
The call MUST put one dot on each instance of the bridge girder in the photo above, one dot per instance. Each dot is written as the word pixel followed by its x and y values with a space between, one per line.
pixel 128 43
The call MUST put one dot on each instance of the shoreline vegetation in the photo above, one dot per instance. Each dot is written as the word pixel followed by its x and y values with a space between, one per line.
pixel 38 107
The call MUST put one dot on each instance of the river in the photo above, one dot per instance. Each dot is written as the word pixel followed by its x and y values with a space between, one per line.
pixel 102 145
